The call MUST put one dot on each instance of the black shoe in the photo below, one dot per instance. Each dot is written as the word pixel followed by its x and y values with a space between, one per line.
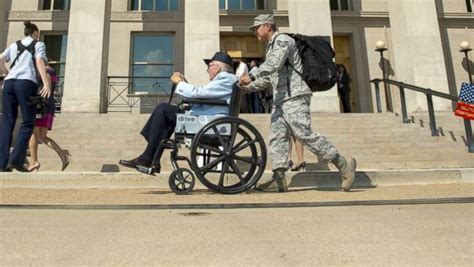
pixel 19 168
pixel 6 170
pixel 133 163
pixel 301 167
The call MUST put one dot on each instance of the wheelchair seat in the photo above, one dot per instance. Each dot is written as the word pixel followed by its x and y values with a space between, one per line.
pixel 187 125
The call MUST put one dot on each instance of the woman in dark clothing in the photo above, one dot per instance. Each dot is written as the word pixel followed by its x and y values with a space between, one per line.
pixel 28 57
pixel 344 88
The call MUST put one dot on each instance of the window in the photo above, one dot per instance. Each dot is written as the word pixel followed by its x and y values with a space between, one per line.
pixel 341 5
pixel 56 46
pixel 56 4
pixel 469 5
pixel 241 4
pixel 154 5
pixel 153 59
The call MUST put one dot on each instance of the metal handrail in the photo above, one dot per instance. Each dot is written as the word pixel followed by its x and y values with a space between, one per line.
pixel 429 98
pixel 121 92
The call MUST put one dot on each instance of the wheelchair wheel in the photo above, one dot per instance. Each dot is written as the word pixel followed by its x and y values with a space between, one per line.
pixel 181 181
pixel 228 155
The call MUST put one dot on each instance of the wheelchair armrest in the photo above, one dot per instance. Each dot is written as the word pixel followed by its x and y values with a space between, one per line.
pixel 204 101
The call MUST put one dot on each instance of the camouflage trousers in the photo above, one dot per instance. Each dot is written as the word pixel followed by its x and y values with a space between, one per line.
pixel 293 118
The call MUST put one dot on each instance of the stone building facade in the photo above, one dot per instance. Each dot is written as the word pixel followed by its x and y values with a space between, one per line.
pixel 99 46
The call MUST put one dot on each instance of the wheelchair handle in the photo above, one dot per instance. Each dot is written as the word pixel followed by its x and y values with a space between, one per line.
pixel 173 88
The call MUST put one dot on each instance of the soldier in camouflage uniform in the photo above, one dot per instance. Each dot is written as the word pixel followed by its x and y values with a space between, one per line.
pixel 291 111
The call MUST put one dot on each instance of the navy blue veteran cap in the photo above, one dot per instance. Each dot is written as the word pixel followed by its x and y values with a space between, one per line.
pixel 221 57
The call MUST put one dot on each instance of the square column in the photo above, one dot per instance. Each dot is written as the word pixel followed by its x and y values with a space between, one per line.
pixel 85 76
pixel 418 51
pixel 201 31
pixel 3 32
pixel 313 17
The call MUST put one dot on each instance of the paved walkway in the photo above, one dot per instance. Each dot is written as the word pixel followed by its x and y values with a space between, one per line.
pixel 150 196
pixel 419 235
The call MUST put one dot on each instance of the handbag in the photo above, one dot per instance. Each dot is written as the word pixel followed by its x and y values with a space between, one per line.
pixel 41 105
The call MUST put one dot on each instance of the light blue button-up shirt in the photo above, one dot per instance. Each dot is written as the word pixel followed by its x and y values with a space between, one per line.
pixel 24 68
pixel 219 88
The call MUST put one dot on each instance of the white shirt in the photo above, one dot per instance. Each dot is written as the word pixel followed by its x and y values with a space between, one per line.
pixel 24 68
pixel 242 70
pixel 254 70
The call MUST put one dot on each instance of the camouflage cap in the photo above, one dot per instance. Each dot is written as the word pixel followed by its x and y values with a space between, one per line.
pixel 262 19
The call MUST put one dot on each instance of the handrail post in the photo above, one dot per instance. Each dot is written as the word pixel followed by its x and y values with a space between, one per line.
pixel 404 104
pixel 434 130
pixel 377 96
pixel 108 93
pixel 469 140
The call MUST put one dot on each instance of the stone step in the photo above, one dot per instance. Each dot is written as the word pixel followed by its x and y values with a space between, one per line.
pixel 379 141
pixel 110 164
pixel 317 179
pixel 362 148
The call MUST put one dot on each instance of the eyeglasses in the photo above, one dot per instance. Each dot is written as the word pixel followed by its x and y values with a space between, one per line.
pixel 210 66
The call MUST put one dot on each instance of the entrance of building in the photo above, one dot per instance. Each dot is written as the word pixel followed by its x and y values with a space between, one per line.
pixel 246 48
pixel 242 46
pixel 342 49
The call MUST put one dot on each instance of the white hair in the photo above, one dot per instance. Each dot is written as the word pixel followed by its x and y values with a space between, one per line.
pixel 225 67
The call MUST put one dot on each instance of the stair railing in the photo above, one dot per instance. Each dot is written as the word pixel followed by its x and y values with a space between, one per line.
pixel 429 99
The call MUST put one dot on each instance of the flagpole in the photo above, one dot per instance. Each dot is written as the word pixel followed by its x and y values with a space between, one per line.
pixel 465 48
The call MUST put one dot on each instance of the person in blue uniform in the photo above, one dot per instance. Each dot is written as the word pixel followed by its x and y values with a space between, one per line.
pixel 28 58
pixel 162 121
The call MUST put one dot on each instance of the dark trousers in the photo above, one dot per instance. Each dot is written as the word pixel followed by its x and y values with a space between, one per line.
pixel 255 102
pixel 16 93
pixel 159 126
pixel 346 100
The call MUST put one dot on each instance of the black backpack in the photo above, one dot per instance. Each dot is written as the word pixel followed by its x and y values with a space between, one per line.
pixel 319 69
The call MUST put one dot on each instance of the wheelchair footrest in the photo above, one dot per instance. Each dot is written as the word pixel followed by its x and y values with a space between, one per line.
pixel 145 169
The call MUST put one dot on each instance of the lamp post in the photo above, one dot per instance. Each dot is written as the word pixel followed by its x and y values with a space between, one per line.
pixel 380 47
pixel 465 48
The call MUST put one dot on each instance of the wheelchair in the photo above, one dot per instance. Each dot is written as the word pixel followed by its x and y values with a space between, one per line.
pixel 227 154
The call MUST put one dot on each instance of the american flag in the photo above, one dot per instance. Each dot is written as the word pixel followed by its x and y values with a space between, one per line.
pixel 465 106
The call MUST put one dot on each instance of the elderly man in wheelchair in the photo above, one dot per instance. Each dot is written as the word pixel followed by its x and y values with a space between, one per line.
pixel 227 154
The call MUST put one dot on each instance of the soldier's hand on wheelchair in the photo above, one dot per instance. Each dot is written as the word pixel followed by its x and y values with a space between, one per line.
pixel 244 80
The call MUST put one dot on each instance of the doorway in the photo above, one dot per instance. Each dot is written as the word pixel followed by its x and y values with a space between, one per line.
pixel 342 50
pixel 246 48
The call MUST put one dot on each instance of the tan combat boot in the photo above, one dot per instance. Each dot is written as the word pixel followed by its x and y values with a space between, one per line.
pixel 347 174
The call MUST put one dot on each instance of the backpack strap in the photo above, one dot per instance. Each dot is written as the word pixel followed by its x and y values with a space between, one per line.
pixel 286 64
pixel 21 48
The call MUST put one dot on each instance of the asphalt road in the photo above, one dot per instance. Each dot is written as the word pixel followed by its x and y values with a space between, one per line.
pixel 425 235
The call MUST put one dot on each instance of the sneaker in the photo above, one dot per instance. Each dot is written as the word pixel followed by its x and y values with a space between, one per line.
pixel 347 174
pixel 276 184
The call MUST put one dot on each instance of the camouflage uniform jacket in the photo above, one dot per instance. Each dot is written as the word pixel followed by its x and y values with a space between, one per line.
pixel 275 71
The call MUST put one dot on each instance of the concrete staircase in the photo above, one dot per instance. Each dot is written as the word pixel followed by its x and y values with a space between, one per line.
pixel 379 142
